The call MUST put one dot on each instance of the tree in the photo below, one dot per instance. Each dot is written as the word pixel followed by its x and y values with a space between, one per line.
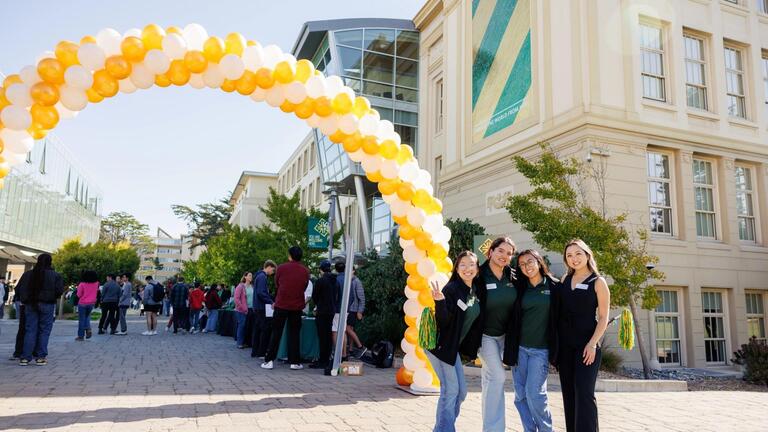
pixel 157 264
pixel 120 227
pixel 73 258
pixel 205 222
pixel 463 232
pixel 558 210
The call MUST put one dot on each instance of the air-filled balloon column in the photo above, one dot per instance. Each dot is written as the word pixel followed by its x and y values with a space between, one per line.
pixel 76 74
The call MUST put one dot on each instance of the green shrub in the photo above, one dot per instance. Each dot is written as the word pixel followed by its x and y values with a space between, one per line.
pixel 611 361
pixel 754 357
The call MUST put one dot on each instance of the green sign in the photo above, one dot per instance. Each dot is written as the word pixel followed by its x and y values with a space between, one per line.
pixel 317 233
pixel 481 245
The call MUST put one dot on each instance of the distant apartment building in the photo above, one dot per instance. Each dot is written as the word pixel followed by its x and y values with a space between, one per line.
pixel 166 260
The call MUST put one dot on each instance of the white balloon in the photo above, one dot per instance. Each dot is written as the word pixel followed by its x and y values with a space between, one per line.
pixel 288 57
pixel 412 308
pixel 14 159
pixel 426 267
pixel 16 117
pixel 433 223
pixel 357 156
pixel 126 86
pixel 412 254
pixel 416 217
pixel 212 76
pixel 64 112
pixel 74 99
pixel 348 123
pixel 334 84
pixel 29 75
pixel 316 86
pixel 411 294
pixel 259 95
pixel 141 76
pixel 389 199
pixel 409 171
pixel 422 378
pixel 369 124
pixel 272 56
pixel 232 66
pixel 443 235
pixel 174 46
pixel 195 35
pixel 399 208
pixel 405 243
pixel 441 279
pixel 78 76
pixel 276 95
pixel 196 81
pixel 91 56
pixel 16 141
pixel 18 94
pixel 385 128
pixel 406 346
pixel 313 121
pixel 109 40
pixel 430 190
pixel 157 61
pixel 295 92
pixel 411 362
pixel 371 163
pixel 253 57
pixel 134 32
pixel 328 126
pixel 389 169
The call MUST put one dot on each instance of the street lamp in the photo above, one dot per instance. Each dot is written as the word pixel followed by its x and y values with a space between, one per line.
pixel 333 192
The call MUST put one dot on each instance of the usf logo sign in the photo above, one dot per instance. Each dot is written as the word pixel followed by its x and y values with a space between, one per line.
pixel 317 233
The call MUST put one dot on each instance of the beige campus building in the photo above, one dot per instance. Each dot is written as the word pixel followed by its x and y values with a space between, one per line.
pixel 671 97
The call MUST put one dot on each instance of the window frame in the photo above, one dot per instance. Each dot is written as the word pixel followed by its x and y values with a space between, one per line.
pixel 742 57
pixel 725 325
pixel 666 97
pixel 687 34
pixel 671 181
pixel 753 197
pixel 715 201
pixel 439 86
pixel 764 64
pixel 763 301
pixel 680 315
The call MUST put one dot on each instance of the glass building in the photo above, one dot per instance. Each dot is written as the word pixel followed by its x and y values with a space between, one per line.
pixel 378 59
pixel 45 201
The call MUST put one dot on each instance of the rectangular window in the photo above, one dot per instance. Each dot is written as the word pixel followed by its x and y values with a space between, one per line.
pixel 318 192
pixel 762 6
pixel 439 106
pixel 765 72
pixel 695 73
pixel 745 209
pixel 652 62
pixel 755 316
pixel 714 330
pixel 659 193
pixel 668 332
pixel 704 197
pixel 312 156
pixel 734 83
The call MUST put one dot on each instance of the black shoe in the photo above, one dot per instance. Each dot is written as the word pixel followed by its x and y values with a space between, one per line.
pixel 88 334
pixel 317 365
pixel 101 331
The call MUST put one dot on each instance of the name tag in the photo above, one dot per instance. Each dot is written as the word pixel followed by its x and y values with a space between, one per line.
pixel 582 286
pixel 462 305
pixel 545 292
pixel 490 286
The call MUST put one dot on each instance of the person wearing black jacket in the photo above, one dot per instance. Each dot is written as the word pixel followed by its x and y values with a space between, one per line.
pixel 38 290
pixel 324 296
pixel 456 309
pixel 531 340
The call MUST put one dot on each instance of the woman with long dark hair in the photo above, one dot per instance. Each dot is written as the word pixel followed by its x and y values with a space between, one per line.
pixel 86 294
pixel 39 289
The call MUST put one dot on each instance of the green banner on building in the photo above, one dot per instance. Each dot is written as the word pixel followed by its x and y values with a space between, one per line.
pixel 317 233
pixel 481 244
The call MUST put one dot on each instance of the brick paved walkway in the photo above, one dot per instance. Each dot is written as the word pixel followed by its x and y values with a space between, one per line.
pixel 202 383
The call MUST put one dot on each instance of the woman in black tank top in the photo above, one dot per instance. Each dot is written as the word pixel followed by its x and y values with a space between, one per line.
pixel 582 319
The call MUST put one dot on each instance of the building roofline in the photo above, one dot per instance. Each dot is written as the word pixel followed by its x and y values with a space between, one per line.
pixel 301 50
pixel 241 182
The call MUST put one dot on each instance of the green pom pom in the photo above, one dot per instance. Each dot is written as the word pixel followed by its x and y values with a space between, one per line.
pixel 626 330
pixel 427 329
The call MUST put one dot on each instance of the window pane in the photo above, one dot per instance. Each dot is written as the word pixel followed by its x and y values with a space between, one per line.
pixel 407 95
pixel 408 44
pixel 378 67
pixel 353 38
pixel 350 61
pixel 694 48
pixel 352 83
pixel 652 63
pixel 380 40
pixel 407 135
pixel 650 37
pixel 385 113
pixel 376 89
pixel 407 73
pixel 696 97
pixel 658 193
pixel 658 165
pixel 407 117
pixel 653 88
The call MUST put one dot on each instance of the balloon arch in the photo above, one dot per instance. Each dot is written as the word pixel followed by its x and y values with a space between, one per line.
pixel 77 74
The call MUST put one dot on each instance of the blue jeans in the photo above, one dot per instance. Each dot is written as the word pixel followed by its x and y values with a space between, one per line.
pixel 241 317
pixel 530 377
pixel 166 307
pixel 213 316
pixel 37 330
pixel 194 319
pixel 453 391
pixel 83 319
pixel 492 380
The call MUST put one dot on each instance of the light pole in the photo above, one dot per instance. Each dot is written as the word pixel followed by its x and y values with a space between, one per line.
pixel 333 192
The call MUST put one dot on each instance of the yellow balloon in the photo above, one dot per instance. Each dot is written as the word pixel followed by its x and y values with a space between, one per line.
pixel 93 96
pixel 87 39
pixel 44 94
pixel 284 72
pixel 409 321
pixel 264 78
pixel 247 83
pixel 388 187
pixel 118 67
pixel 405 154
pixel 152 36
pixel 374 176
pixel 370 145
pixel 422 199
pixel 341 104
pixel 423 241
pixel 400 220
pixel 416 282
pixel 410 268
pixel 196 61
pixel 5 167
pixel 178 73
pixel 229 86
pixel 235 43
pixel 37 131
pixel 105 84
pixel 405 191
pixel 408 232
pixel 419 350
pixel 162 80
pixel 361 106
pixel 213 48
pixel 352 143
pixel 389 149
pixel 66 53
pixel 133 49
pixel 4 102
pixel 323 107
pixel 12 79
pixel 412 335
pixel 305 109
pixel 304 70
pixel 444 265
pixel 46 116
pixel 287 107
pixel 51 71
pixel 437 252
pixel 337 136
pixel 174 30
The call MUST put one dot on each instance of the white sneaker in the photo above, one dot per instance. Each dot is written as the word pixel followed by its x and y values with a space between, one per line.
pixel 153 332
pixel 193 331
pixel 297 366
pixel 121 333
pixel 204 331
pixel 167 329
pixel 269 365
pixel 146 333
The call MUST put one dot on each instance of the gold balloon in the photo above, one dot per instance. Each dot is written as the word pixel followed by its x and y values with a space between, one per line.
pixel 247 83
pixel 409 321
pixel 410 268
pixel 229 86
pixel 305 109
pixel 37 131
pixel 422 199
pixel 87 39
pixel 196 61
pixel 51 71
pixel 408 232
pixel 12 79
pixel 4 102
pixel 388 187
pixel 374 176
pixel 423 241
pixel 389 149
pixel 162 80
pixel 405 154
pixel 5 167
pixel 412 335
pixel 341 104
pixel 152 36
pixel 66 53
pixel 178 73
pixel 213 48
pixel 437 252
pixel 400 220
pixel 264 78
pixel 118 67
pixel 93 96
pixel 45 116
pixel 44 94
pixel 370 145
pixel 284 72
pixel 352 143
pixel 405 191
pixel 323 107
pixel 416 282
pixel 105 84
pixel 287 107
pixel 444 265
pixel 235 43
pixel 304 70
pixel 173 30
pixel 361 106
pixel 133 49
pixel 337 136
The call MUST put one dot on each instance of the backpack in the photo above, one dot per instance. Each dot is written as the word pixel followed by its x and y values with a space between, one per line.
pixel 157 293
pixel 383 354
pixel 74 299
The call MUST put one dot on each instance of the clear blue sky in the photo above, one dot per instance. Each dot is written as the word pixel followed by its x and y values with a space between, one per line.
pixel 164 146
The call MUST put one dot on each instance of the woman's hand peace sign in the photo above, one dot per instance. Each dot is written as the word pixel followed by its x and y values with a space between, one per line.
pixel 437 294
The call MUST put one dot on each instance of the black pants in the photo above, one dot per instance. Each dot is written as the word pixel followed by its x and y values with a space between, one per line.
pixel 293 318
pixel 324 323
pixel 262 330
pixel 19 348
pixel 111 314
pixel 180 318
pixel 578 386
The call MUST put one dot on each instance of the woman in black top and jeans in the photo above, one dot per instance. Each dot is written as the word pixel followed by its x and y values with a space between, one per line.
pixel 456 308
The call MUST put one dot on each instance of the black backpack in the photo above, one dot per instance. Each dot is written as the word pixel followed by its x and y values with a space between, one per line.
pixel 383 354
pixel 158 293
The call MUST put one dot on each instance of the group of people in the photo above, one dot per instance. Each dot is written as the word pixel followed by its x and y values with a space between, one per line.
pixel 525 318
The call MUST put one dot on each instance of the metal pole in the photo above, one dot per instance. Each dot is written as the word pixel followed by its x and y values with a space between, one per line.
pixel 362 207
pixel 342 327
pixel 331 222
